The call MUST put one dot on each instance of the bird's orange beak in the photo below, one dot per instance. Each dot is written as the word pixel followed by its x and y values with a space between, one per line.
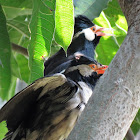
pixel 99 69
pixel 98 31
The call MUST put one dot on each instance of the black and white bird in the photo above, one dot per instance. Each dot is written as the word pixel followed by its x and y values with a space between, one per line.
pixel 85 39
pixel 49 108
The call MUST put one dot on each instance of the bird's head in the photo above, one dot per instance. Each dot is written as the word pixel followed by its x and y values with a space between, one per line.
pixel 86 37
pixel 91 31
pixel 83 67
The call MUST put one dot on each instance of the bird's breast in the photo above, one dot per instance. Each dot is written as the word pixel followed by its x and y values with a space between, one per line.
pixel 81 97
pixel 85 92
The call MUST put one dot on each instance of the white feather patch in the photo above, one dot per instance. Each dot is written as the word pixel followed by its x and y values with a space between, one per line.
pixel 89 34
pixel 86 92
pixel 80 98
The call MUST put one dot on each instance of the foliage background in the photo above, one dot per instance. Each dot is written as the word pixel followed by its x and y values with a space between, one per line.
pixel 37 25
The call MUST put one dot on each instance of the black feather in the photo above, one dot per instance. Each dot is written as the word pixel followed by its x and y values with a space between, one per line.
pixel 49 107
pixel 78 44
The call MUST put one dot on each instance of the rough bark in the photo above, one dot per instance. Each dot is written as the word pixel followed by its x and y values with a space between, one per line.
pixel 116 98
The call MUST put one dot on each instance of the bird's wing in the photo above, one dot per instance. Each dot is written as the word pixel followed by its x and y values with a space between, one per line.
pixel 17 109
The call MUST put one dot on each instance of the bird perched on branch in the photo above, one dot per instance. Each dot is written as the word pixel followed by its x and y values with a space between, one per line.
pixel 85 39
pixel 49 108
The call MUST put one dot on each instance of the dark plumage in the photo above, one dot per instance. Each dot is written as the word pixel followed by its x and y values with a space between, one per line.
pixel 84 41
pixel 49 108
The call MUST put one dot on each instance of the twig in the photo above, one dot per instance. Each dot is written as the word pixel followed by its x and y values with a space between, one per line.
pixel 20 49
pixel 130 135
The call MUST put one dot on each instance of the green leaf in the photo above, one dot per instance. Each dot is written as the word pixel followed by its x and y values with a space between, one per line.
pixel 18 15
pixel 20 24
pixel 15 8
pixel 113 19
pixel 136 123
pixel 54 48
pixel 5 54
pixel 18 30
pixel 42 29
pixel 11 92
pixel 3 129
pixel 106 50
pixel 19 66
pixel 89 8
pixel 19 34
pixel 22 62
pixel 64 22
pixel 117 20
pixel 14 67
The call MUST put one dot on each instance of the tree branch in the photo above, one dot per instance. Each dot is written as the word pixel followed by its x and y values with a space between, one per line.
pixel 130 135
pixel 116 98
pixel 19 49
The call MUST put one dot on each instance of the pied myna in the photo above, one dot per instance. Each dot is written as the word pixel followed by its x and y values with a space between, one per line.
pixel 49 108
pixel 85 39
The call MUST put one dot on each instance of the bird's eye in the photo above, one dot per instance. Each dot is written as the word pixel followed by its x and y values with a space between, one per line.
pixel 93 29
pixel 93 66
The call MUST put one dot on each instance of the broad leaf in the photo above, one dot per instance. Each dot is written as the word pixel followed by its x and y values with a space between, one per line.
pixel 18 15
pixel 14 67
pixel 20 25
pixel 117 20
pixel 19 66
pixel 42 29
pixel 5 54
pixel 64 22
pixel 15 8
pixel 19 34
pixel 3 129
pixel 111 18
pixel 22 62
pixel 136 123
pixel 18 30
pixel 106 50
pixel 12 88
pixel 89 8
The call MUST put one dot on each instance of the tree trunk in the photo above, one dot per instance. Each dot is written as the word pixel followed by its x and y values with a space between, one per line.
pixel 116 98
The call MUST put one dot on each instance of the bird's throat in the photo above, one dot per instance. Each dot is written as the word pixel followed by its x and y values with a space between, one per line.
pixel 82 45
